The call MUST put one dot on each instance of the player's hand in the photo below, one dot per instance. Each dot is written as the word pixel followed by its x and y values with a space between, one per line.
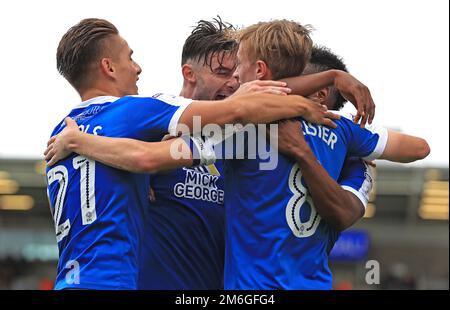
pixel 57 148
pixel 267 87
pixel 358 94
pixel 318 114
pixel 290 138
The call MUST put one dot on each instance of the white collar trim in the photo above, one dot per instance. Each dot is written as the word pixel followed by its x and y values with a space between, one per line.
pixel 97 100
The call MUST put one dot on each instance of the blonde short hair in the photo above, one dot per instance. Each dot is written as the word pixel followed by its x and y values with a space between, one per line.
pixel 285 46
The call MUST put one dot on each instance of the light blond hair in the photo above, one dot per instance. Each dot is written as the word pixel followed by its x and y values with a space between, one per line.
pixel 285 46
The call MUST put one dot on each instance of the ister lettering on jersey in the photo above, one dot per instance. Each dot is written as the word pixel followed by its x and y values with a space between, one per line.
pixel 323 133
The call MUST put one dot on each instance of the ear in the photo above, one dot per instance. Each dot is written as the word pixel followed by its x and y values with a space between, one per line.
pixel 323 97
pixel 262 71
pixel 323 94
pixel 188 73
pixel 107 67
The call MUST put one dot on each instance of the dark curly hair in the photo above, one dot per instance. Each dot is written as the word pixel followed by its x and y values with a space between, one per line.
pixel 322 59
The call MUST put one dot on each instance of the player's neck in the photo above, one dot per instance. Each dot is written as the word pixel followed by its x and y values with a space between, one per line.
pixel 95 92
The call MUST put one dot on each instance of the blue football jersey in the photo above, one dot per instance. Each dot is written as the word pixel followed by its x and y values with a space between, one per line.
pixel 98 210
pixel 275 239
pixel 356 177
pixel 185 232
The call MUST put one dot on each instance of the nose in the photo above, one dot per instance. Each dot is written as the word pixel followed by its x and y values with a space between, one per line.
pixel 139 69
pixel 233 83
pixel 236 75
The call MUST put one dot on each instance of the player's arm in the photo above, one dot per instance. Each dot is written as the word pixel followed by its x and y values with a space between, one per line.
pixel 338 207
pixel 375 142
pixel 139 156
pixel 263 87
pixel 127 154
pixel 350 88
pixel 404 148
pixel 256 109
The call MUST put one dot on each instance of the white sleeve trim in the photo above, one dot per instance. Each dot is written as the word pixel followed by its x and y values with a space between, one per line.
pixel 357 194
pixel 176 117
pixel 381 145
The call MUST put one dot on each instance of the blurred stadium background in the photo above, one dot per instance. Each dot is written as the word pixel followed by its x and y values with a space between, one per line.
pixel 405 230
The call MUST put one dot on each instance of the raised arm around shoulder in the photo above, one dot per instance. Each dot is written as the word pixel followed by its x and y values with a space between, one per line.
pixel 349 87
pixel 257 109
pixel 404 148
pixel 128 154
pixel 306 85
pixel 122 153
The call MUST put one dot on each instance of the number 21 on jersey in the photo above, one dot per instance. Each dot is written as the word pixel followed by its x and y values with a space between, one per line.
pixel 87 193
